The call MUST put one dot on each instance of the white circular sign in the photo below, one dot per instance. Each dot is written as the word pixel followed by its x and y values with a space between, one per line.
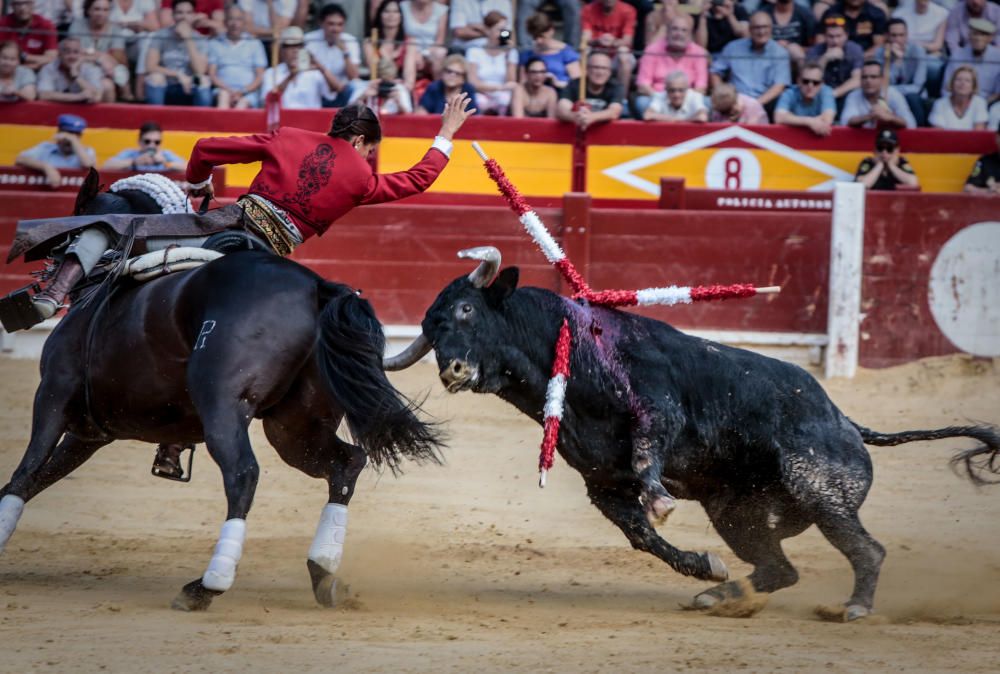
pixel 733 169
pixel 964 289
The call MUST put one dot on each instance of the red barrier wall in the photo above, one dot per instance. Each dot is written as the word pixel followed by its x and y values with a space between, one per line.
pixel 903 238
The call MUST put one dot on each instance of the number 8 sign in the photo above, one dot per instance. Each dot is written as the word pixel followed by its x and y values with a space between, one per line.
pixel 733 169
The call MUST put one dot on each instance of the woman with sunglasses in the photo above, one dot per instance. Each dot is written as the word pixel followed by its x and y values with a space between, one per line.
pixel 150 156
pixel 452 83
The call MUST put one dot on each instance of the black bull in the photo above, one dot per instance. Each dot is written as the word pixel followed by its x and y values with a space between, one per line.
pixel 755 440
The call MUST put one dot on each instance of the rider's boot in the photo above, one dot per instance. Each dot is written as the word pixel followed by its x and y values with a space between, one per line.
pixel 167 463
pixel 48 301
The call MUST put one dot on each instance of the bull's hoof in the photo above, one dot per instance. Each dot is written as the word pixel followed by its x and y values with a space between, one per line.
pixel 717 570
pixel 194 597
pixel 327 590
pixel 843 614
pixel 734 599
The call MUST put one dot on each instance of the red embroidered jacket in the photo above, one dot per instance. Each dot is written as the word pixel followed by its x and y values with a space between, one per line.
pixel 313 177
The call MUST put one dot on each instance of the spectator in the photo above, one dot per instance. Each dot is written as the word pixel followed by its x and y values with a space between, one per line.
pixel 297 79
pixel 958 29
pixel 674 52
pixel 963 109
pixel 570 10
pixel 866 23
pixel 907 67
pixel 757 66
pixel 723 22
pixel 70 79
pixel 137 19
pixel 467 27
pixel 794 26
pixel 985 175
pixel 65 151
pixel 866 107
pixel 453 81
pixel 678 103
pixel 340 54
pixel 887 168
pixel 994 120
pixel 811 104
pixel 840 58
pixel 17 82
pixel 150 156
pixel 386 92
pixel 493 67
pixel 925 22
pixel 728 105
pixel 103 44
pixel 268 18
pixel 602 100
pixel 236 64
pixel 561 60
pixel 209 16
pixel 609 27
pixel 533 98
pixel 394 43
pixel 34 34
pixel 176 64
pixel 980 55
pixel 425 22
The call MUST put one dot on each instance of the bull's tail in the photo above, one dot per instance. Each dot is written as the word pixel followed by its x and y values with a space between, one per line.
pixel 349 347
pixel 981 464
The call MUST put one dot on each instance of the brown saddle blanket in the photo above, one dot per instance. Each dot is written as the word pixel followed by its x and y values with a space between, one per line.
pixel 35 238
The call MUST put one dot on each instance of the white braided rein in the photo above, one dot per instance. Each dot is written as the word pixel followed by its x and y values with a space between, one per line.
pixel 163 190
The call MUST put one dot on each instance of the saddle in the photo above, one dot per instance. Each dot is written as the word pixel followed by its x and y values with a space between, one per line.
pixel 160 262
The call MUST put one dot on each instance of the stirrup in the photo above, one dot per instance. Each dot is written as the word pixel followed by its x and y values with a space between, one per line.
pixel 17 310
pixel 171 471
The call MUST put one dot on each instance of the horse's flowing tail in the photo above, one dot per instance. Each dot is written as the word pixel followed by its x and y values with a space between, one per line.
pixel 980 463
pixel 349 348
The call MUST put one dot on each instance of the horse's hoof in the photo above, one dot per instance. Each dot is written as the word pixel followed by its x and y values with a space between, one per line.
pixel 194 597
pixel 327 590
pixel 717 570
pixel 704 601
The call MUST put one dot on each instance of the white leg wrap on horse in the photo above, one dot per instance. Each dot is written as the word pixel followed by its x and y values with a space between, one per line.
pixel 221 570
pixel 11 508
pixel 328 546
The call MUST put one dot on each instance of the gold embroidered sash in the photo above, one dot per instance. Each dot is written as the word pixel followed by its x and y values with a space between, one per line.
pixel 269 224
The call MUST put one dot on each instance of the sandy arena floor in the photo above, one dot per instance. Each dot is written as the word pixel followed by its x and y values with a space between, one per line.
pixel 470 567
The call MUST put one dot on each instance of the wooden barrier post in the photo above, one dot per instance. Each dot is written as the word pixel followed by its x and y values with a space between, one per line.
pixel 846 250
pixel 575 234
pixel 672 193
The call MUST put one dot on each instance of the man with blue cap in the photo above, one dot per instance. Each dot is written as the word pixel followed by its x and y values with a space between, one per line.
pixel 65 151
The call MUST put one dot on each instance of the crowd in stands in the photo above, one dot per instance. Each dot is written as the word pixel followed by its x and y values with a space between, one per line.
pixel 809 63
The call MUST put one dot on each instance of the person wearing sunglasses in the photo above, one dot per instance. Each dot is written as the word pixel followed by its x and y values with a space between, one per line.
pixel 150 156
pixel 840 59
pixel 865 23
pixel 887 169
pixel 809 104
pixel 453 82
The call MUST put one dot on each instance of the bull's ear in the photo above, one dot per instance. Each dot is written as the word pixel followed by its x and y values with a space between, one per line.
pixel 503 286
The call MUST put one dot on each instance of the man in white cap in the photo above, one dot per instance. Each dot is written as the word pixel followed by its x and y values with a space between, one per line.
pixel 959 25
pixel 65 151
pixel 981 56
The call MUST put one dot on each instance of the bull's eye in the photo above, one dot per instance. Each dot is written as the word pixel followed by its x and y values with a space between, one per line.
pixel 466 309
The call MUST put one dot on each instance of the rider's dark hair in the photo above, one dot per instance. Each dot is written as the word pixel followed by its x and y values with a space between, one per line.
pixel 355 120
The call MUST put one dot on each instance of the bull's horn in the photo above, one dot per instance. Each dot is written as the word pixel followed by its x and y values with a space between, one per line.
pixel 487 269
pixel 410 355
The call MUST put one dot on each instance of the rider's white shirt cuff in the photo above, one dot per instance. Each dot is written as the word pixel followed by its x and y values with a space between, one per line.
pixel 443 144
pixel 203 183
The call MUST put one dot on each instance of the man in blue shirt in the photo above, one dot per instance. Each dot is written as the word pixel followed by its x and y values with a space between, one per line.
pixel 757 65
pixel 810 104
pixel 866 107
pixel 149 156
pixel 65 151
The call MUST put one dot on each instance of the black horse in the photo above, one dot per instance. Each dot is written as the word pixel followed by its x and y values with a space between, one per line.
pixel 193 357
